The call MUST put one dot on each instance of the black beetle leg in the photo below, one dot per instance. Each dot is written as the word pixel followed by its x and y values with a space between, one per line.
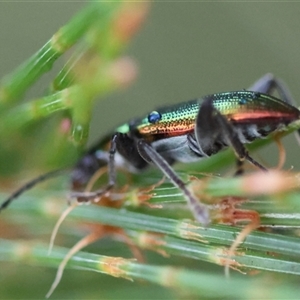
pixel 211 125
pixel 86 196
pixel 268 84
pixel 239 168
pixel 199 210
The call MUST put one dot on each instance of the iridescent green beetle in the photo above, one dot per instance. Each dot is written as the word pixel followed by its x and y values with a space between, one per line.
pixel 187 132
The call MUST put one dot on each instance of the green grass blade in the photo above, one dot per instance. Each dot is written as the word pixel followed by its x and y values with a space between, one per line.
pixel 14 85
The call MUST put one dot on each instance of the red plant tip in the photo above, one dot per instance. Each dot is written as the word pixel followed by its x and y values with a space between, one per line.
pixel 124 71
pixel 130 19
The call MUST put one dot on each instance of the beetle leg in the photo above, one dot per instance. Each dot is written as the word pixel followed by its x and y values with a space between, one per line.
pixel 199 210
pixel 268 84
pixel 239 168
pixel 86 196
pixel 127 149
pixel 211 125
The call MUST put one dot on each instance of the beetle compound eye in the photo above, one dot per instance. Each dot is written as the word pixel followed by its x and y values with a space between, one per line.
pixel 154 117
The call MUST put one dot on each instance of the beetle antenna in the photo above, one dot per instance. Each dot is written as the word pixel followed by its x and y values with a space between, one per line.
pixel 30 184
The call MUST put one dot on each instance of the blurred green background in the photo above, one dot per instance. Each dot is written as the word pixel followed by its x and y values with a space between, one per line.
pixel 185 50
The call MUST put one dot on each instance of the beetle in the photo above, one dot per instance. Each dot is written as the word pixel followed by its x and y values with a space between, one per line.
pixel 186 132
